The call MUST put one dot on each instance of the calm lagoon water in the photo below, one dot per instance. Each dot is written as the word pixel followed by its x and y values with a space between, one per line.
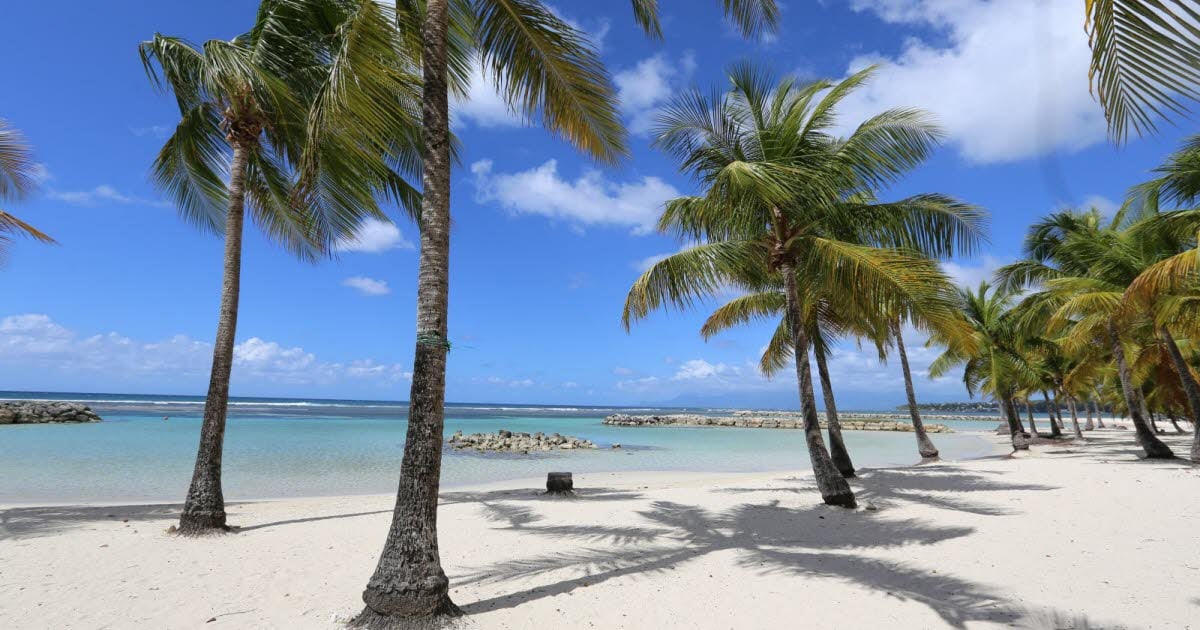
pixel 289 448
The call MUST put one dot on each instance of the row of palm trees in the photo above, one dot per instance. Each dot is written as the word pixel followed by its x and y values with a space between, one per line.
pixel 324 111
pixel 1099 311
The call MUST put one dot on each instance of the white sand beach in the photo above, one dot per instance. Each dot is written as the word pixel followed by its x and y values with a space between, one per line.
pixel 1066 536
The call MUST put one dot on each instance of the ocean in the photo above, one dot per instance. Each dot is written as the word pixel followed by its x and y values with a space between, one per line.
pixel 279 447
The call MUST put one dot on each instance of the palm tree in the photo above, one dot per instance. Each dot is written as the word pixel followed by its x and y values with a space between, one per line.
pixel 772 177
pixel 292 125
pixel 1083 269
pixel 991 363
pixel 544 68
pixel 17 180
pixel 1145 60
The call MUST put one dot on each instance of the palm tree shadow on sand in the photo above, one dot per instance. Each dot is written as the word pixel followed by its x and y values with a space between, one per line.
pixel 811 542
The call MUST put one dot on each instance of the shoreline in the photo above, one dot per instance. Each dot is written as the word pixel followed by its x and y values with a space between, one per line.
pixel 986 437
pixel 637 550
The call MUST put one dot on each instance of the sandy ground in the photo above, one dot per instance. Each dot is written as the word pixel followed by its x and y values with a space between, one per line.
pixel 1067 536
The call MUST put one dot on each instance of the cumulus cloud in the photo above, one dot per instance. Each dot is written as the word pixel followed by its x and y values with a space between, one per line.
pixel 36 341
pixel 367 286
pixel 590 199
pixel 373 237
pixel 646 87
pixel 969 275
pixel 1008 81
pixel 699 369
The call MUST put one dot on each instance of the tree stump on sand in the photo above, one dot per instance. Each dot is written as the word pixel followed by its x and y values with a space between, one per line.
pixel 559 483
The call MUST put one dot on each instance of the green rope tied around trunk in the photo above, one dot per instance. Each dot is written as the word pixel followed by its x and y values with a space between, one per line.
pixel 433 339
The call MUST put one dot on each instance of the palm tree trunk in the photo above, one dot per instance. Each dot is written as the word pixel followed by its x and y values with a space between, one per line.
pixel 834 488
pixel 1153 446
pixel 1057 409
pixel 1074 417
pixel 409 581
pixel 1090 426
pixel 1016 431
pixel 837 446
pixel 1190 388
pixel 1055 432
pixel 204 509
pixel 1099 411
pixel 1033 432
pixel 924 445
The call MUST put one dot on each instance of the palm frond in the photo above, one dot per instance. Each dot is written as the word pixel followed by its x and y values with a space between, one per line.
pixel 544 65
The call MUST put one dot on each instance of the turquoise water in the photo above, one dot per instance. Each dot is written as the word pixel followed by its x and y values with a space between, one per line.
pixel 280 448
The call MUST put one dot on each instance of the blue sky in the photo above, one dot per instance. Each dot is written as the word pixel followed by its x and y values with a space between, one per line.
pixel 545 243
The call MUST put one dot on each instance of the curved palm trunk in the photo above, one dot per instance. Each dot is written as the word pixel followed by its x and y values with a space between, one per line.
pixel 1190 388
pixel 1074 417
pixel 204 509
pixel 409 582
pixel 1099 413
pixel 1057 409
pixel 1087 407
pixel 924 445
pixel 833 486
pixel 1055 432
pixel 1033 431
pixel 837 446
pixel 1153 446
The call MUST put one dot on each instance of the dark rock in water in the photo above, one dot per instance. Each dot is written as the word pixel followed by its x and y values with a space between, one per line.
pixel 44 412
pixel 509 442
pixel 559 483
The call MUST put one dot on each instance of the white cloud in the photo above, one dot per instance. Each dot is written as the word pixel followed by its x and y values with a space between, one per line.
pixel 589 200
pixel 375 236
pixel 100 194
pixel 1009 82
pixel 622 371
pixel 367 286
pixel 699 369
pixel 1106 206
pixel 483 105
pixel 970 275
pixel 644 88
pixel 35 341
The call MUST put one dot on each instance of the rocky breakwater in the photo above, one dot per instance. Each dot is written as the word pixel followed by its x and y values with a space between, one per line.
pixel 769 420
pixel 511 442
pixel 44 412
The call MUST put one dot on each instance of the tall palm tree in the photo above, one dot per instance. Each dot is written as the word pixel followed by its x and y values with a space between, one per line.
pixel 544 68
pixel 17 180
pixel 771 175
pixel 1145 60
pixel 991 363
pixel 291 121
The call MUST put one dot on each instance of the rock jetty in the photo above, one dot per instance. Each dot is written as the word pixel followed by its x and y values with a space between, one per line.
pixel 767 420
pixel 44 412
pixel 512 442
